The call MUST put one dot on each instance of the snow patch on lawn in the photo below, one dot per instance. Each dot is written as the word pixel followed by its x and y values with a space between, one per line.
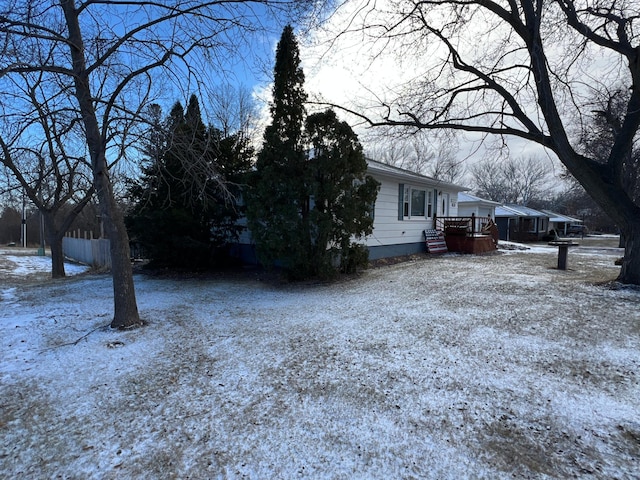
pixel 26 265
pixel 453 367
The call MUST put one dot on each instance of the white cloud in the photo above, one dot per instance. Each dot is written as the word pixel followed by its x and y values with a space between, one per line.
pixel 359 69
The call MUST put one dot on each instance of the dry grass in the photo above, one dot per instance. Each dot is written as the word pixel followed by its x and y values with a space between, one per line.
pixel 447 367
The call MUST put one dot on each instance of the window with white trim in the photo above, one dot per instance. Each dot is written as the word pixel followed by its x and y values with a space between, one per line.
pixel 417 203
pixel 407 201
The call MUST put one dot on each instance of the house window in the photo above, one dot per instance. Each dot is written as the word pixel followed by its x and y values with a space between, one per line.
pixel 407 198
pixel 416 203
pixel 529 225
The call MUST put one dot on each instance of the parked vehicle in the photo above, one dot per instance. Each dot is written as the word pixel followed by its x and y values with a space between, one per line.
pixel 577 230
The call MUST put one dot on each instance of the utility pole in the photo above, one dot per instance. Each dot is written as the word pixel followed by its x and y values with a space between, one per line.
pixel 41 250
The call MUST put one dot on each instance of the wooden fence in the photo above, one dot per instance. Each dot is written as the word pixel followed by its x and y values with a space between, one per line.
pixel 87 251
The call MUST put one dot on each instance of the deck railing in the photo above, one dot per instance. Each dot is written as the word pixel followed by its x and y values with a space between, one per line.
pixel 468 226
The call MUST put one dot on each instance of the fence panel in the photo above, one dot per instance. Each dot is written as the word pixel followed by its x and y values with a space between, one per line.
pixel 89 252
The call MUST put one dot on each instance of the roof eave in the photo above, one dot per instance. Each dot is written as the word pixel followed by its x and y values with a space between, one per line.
pixel 377 168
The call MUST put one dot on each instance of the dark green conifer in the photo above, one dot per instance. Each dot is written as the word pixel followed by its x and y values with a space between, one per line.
pixel 344 195
pixel 184 213
pixel 278 200
pixel 309 196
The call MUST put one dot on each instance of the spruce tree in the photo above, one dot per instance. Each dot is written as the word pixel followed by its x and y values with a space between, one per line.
pixel 167 219
pixel 181 216
pixel 278 200
pixel 234 159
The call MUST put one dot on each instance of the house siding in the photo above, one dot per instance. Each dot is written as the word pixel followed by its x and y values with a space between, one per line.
pixel 387 228
pixel 392 234
pixel 477 210
pixel 471 205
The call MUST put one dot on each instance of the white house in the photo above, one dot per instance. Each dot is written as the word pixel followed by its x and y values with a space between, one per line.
pixel 406 205
pixel 471 205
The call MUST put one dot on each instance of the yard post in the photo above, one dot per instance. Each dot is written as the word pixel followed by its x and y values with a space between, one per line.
pixel 563 250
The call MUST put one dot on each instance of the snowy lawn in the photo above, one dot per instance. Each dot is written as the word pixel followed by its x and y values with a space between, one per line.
pixel 453 367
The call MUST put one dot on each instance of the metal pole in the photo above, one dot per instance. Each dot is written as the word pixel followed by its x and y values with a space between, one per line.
pixel 24 221
pixel 42 243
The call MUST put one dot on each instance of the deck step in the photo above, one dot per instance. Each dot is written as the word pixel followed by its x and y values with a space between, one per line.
pixel 435 241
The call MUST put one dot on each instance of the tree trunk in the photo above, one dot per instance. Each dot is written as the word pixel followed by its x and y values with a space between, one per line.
pixel 54 239
pixel 630 236
pixel 125 305
pixel 57 256
pixel 124 296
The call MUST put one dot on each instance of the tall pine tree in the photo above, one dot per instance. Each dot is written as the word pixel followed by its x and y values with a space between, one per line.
pixel 278 198
pixel 310 195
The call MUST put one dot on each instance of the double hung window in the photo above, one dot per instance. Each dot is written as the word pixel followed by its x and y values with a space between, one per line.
pixel 417 203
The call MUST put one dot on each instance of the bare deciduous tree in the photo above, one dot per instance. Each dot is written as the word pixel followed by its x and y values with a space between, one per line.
pixel 521 68
pixel 416 152
pixel 37 145
pixel 111 58
pixel 233 110
pixel 446 166
pixel 519 180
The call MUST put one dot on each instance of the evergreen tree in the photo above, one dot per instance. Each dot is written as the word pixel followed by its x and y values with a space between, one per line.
pixel 181 216
pixel 167 219
pixel 343 195
pixel 234 159
pixel 277 201
pixel 303 213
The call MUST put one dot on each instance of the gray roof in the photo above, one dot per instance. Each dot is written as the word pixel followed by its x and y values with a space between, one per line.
pixel 464 197
pixel 511 210
pixel 375 167
pixel 558 218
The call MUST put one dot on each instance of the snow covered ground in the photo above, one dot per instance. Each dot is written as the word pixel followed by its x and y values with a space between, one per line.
pixel 453 367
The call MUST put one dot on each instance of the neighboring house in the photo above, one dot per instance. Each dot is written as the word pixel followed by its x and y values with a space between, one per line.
pixel 406 205
pixel 469 205
pixel 521 224
pixel 561 223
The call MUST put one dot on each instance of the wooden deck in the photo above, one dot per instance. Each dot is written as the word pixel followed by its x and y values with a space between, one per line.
pixel 473 234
